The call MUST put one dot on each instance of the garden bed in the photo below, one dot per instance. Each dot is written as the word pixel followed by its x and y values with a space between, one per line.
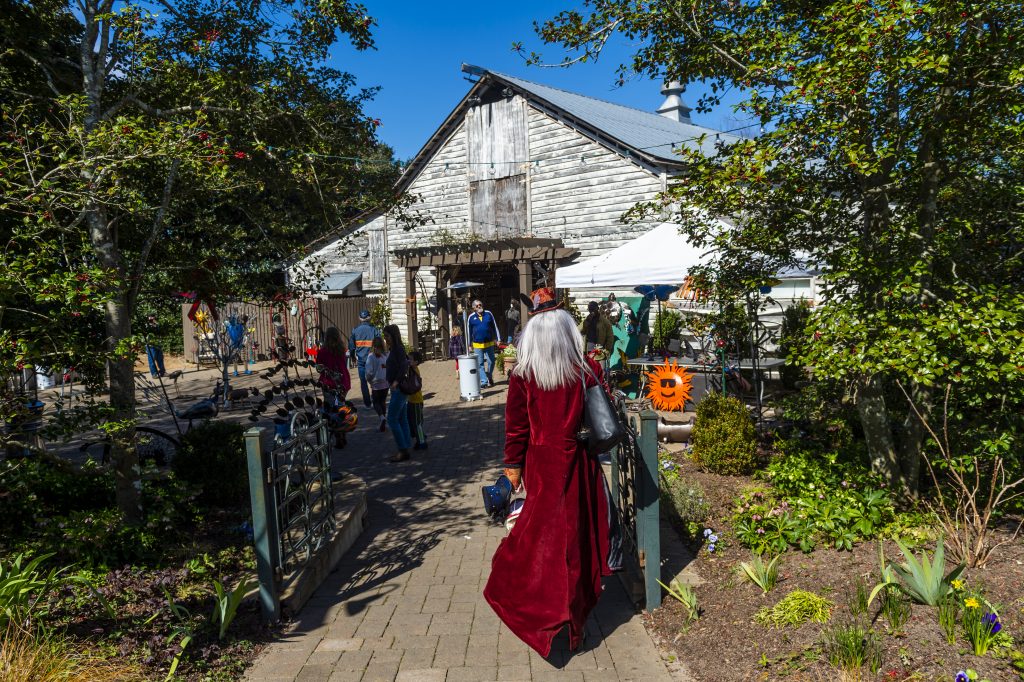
pixel 733 646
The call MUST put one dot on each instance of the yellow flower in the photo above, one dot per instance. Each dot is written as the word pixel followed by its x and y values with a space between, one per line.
pixel 957 584
pixel 971 603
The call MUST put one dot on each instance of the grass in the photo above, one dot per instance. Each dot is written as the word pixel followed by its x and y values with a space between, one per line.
pixel 896 609
pixel 761 574
pixel 29 657
pixel 851 647
pixel 796 608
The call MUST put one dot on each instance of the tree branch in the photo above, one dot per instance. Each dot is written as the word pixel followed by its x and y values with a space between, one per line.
pixel 154 233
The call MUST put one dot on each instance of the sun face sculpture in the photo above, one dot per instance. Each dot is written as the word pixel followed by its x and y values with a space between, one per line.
pixel 669 387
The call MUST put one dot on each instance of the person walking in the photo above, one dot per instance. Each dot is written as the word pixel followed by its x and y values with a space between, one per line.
pixel 334 377
pixel 483 335
pixel 597 332
pixel 362 340
pixel 376 376
pixel 395 367
pixel 546 574
pixel 416 405
pixel 512 317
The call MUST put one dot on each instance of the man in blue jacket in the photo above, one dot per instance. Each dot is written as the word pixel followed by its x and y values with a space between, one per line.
pixel 483 337
pixel 362 339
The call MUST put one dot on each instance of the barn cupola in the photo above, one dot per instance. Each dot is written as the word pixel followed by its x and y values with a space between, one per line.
pixel 673 106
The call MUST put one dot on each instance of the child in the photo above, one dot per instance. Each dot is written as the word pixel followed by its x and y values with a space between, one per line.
pixel 376 377
pixel 415 407
pixel 456 347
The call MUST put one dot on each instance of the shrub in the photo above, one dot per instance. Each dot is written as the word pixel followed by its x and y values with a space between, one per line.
pixel 34 489
pixel 724 438
pixel 796 608
pixel 212 457
pixel 794 325
pixel 666 328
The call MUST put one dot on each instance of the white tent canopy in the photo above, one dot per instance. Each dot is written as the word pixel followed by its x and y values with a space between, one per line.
pixel 661 256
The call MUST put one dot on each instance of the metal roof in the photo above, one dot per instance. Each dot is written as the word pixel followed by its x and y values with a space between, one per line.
pixel 644 131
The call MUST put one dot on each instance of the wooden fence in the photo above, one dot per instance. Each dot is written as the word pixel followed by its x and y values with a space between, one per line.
pixel 304 320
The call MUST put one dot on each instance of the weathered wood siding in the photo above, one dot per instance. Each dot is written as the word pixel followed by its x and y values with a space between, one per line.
pixel 579 189
pixel 443 191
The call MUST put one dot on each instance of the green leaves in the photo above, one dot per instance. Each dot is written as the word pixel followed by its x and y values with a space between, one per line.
pixel 226 603
pixel 922 580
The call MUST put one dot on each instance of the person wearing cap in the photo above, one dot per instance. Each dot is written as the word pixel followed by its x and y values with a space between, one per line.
pixel 362 341
pixel 546 574
pixel 483 335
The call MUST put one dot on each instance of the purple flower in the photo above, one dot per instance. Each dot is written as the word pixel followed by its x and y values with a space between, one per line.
pixel 760 531
pixel 707 532
pixel 992 621
pixel 711 547
pixel 962 677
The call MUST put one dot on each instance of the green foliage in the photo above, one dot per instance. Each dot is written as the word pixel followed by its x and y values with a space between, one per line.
pixel 380 314
pixel 226 603
pixel 666 328
pixel 816 497
pixel 33 490
pixel 724 438
pixel 925 580
pixel 794 328
pixel 949 613
pixel 859 600
pixel 685 501
pixel 686 596
pixel 24 588
pixel 761 574
pixel 896 609
pixel 981 623
pixel 212 457
pixel 796 608
pixel 851 647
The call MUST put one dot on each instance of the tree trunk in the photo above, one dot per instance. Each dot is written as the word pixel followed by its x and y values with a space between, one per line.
pixel 912 438
pixel 874 417
pixel 124 458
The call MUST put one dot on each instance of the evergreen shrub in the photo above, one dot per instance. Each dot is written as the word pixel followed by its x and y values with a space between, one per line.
pixel 212 457
pixel 724 438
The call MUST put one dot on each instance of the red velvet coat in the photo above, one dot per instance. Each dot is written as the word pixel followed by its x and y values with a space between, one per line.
pixel 546 573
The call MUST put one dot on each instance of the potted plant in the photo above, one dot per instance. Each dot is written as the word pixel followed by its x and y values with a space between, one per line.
pixel 507 359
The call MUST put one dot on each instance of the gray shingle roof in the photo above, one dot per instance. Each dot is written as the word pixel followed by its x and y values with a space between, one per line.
pixel 644 131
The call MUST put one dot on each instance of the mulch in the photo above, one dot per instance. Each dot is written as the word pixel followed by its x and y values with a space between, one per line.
pixel 726 644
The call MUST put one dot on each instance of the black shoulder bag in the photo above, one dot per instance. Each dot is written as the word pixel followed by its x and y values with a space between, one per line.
pixel 602 429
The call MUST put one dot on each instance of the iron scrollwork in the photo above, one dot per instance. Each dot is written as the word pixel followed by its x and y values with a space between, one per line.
pixel 302 489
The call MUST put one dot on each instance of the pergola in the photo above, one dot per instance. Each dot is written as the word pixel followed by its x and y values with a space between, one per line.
pixel 519 251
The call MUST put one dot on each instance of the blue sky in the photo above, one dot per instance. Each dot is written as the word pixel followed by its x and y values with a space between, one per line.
pixel 421 45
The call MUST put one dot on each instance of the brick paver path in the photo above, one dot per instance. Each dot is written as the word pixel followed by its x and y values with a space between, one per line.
pixel 405 603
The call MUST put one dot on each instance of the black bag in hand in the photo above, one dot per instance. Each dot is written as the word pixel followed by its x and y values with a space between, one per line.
pixel 410 383
pixel 602 429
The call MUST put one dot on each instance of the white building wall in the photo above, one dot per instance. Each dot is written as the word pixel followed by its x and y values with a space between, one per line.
pixel 443 191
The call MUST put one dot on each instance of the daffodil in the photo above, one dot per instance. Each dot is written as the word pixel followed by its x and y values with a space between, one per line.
pixel 957 584
pixel 971 603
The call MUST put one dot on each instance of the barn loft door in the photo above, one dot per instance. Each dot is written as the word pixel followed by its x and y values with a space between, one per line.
pixel 498 154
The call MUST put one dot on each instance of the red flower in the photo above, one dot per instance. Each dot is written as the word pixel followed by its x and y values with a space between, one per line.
pixel 126 130
pixel 212 36
pixel 377 123
pixel 241 155
pixel 203 137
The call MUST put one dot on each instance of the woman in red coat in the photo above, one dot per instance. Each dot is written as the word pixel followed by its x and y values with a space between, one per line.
pixel 546 574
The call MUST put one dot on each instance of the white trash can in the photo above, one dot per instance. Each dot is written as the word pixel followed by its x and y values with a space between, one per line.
pixel 469 378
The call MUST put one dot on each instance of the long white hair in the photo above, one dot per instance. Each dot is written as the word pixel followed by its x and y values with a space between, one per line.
pixel 550 351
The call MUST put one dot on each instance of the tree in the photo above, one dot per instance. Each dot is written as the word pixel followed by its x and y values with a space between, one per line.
pixel 891 156
pixel 144 153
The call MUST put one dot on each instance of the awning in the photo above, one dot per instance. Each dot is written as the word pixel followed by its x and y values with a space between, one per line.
pixel 661 256
pixel 342 283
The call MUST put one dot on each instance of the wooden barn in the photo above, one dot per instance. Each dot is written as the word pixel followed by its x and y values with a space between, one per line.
pixel 519 179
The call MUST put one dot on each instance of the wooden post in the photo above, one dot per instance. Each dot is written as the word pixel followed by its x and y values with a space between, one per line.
pixel 525 287
pixel 410 307
pixel 442 309
pixel 264 524
pixel 648 529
